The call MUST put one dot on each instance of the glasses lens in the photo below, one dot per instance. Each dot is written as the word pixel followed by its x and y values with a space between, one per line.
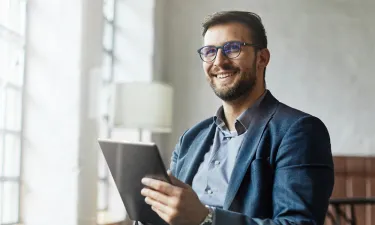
pixel 208 53
pixel 232 49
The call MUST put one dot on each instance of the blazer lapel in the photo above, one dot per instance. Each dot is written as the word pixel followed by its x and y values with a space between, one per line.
pixel 196 153
pixel 246 153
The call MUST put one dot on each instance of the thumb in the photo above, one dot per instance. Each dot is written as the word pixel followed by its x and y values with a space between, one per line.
pixel 175 181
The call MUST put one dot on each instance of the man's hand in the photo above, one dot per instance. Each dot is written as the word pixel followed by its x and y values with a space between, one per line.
pixel 176 204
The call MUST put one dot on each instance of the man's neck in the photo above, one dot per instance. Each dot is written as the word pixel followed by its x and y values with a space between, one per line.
pixel 233 109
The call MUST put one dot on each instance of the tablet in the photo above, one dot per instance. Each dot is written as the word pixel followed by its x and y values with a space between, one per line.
pixel 128 163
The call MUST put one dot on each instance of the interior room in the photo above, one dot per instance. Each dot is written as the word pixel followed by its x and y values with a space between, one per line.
pixel 73 71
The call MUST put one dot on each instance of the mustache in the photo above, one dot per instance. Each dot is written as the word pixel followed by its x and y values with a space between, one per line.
pixel 223 68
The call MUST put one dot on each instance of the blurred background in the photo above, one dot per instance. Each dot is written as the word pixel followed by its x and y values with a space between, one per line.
pixel 61 61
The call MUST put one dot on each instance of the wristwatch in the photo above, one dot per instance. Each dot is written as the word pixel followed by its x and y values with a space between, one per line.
pixel 210 217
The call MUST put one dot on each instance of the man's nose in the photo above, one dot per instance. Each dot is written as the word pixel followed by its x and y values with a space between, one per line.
pixel 220 58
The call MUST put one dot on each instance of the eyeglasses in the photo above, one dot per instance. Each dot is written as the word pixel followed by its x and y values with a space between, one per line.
pixel 231 49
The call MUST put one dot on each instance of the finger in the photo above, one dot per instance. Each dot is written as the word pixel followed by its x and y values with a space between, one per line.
pixel 161 214
pixel 160 197
pixel 158 205
pixel 160 186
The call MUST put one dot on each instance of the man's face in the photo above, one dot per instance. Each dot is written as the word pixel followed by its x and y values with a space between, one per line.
pixel 231 78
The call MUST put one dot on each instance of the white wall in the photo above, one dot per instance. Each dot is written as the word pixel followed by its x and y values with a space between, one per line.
pixel 51 127
pixel 322 62
pixel 59 149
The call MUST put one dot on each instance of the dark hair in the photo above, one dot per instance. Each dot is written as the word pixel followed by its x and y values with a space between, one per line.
pixel 249 19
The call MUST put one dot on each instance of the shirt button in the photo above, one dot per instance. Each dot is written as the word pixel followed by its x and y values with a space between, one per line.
pixel 217 162
pixel 210 191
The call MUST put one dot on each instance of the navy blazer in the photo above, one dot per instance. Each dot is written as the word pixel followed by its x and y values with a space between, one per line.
pixel 283 173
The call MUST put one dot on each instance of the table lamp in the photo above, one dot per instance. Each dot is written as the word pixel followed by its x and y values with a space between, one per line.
pixel 143 106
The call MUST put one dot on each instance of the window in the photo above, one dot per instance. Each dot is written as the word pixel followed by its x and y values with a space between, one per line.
pixel 12 55
pixel 107 81
pixel 116 62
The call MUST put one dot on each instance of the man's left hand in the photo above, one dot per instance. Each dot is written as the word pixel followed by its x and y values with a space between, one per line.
pixel 176 203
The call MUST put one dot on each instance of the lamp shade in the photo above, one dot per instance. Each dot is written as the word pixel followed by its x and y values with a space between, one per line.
pixel 143 105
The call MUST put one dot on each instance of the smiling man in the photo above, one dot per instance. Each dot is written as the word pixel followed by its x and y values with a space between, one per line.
pixel 257 161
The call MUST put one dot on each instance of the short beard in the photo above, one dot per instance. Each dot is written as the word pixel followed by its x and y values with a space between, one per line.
pixel 243 87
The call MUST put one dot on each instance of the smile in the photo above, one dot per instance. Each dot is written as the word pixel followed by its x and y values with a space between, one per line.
pixel 224 75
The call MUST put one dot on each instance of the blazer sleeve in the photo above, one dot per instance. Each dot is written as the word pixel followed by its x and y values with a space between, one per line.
pixel 175 155
pixel 303 180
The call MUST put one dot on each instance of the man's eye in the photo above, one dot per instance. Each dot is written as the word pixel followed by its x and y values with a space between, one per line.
pixel 209 51
pixel 232 48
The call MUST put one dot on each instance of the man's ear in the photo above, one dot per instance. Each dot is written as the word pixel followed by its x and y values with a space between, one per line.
pixel 263 58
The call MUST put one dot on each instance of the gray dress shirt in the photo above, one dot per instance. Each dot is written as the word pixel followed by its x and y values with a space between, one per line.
pixel 213 175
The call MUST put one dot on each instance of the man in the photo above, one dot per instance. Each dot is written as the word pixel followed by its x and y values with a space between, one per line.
pixel 257 161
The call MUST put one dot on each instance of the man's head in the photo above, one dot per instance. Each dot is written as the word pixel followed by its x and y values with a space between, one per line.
pixel 235 53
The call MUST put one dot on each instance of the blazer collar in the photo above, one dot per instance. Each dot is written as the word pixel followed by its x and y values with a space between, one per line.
pixel 247 151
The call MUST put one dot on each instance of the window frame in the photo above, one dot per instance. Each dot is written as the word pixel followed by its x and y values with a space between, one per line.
pixel 10 36
pixel 107 81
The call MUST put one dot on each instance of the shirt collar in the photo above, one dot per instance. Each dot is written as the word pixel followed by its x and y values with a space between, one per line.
pixel 242 122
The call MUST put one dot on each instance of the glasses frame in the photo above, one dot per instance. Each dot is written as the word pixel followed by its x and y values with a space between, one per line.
pixel 222 48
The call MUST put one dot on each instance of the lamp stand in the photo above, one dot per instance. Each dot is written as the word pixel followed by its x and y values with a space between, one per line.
pixel 140 130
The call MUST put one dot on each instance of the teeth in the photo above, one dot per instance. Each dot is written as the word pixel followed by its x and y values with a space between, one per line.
pixel 221 76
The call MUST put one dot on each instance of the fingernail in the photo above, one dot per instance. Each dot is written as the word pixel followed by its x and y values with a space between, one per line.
pixel 145 181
